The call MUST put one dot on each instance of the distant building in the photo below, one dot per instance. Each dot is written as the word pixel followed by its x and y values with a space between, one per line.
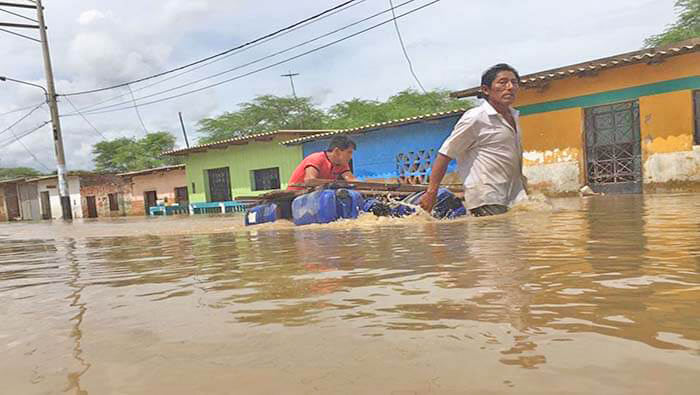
pixel 167 184
pixel 241 166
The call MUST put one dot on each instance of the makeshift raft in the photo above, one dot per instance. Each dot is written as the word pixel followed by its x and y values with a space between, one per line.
pixel 324 201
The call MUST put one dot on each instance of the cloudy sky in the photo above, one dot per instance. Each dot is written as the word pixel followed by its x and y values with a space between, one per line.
pixel 98 43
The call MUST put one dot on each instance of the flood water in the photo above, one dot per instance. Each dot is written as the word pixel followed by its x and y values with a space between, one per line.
pixel 591 295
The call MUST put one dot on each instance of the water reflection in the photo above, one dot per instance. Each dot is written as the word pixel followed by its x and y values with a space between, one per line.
pixel 517 289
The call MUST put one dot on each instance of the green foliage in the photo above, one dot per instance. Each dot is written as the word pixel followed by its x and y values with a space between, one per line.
pixel 408 103
pixel 686 26
pixel 268 113
pixel 9 173
pixel 265 113
pixel 131 154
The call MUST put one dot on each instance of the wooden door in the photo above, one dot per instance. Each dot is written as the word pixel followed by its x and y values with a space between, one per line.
pixel 45 205
pixel 91 207
pixel 150 199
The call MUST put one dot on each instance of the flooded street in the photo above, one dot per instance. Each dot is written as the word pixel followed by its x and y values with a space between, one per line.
pixel 592 295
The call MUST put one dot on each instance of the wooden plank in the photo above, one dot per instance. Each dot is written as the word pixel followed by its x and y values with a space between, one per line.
pixel 371 186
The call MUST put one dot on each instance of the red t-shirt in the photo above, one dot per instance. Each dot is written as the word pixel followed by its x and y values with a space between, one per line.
pixel 319 161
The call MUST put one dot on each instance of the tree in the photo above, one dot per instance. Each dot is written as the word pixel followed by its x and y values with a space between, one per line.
pixel 407 103
pixel 131 154
pixel 264 114
pixel 268 113
pixel 9 173
pixel 686 26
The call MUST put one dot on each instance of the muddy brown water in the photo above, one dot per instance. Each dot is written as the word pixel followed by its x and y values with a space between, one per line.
pixel 590 295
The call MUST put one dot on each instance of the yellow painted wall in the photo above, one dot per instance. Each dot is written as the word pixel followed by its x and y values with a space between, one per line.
pixel 667 123
pixel 620 77
pixel 553 130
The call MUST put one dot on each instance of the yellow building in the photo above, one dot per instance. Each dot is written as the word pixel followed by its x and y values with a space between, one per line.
pixel 625 123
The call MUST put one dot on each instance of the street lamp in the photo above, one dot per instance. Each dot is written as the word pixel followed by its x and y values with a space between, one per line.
pixel 46 94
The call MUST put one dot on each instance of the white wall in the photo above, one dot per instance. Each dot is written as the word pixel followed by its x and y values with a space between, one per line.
pixel 51 185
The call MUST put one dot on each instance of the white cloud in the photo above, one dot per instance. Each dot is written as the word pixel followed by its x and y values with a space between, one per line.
pixel 90 16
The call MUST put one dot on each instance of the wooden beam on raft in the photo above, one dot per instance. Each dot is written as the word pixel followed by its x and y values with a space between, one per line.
pixel 371 186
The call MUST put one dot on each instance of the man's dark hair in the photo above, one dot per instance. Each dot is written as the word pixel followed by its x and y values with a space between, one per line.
pixel 341 142
pixel 490 74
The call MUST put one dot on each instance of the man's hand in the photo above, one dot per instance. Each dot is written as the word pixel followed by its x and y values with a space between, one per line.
pixel 427 201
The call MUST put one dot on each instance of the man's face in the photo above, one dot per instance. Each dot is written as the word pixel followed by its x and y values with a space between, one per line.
pixel 343 156
pixel 503 89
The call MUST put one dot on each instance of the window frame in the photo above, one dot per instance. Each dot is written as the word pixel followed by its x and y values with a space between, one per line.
pixel 253 179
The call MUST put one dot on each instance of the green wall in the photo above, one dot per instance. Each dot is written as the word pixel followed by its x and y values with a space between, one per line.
pixel 241 159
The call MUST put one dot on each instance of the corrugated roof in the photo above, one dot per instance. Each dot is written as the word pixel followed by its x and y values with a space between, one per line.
pixel 392 123
pixel 239 140
pixel 153 170
pixel 649 55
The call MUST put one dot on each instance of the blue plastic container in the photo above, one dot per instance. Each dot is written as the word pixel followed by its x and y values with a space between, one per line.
pixel 261 214
pixel 327 205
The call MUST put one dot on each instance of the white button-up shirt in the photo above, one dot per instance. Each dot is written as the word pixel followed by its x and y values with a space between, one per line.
pixel 488 151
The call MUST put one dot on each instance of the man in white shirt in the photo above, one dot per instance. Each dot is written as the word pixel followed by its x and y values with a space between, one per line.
pixel 486 144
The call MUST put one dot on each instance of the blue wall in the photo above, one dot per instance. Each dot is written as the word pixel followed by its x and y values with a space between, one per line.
pixel 377 150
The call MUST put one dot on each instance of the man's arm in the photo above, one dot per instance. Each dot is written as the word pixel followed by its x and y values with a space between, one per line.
pixel 310 173
pixel 436 175
pixel 348 176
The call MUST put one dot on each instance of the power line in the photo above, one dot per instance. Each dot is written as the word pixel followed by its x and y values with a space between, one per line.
pixel 254 61
pixel 20 35
pixel 111 108
pixel 226 56
pixel 22 118
pixel 17 139
pixel 403 47
pixel 24 133
pixel 136 107
pixel 213 56
pixel 85 118
pixel 18 15
pixel 19 109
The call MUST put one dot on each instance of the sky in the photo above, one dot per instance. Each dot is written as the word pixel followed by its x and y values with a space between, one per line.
pixel 101 43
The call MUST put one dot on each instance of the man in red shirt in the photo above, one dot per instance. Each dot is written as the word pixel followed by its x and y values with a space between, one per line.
pixel 332 164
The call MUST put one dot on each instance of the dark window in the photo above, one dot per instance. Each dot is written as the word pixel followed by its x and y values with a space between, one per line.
pixel 264 179
pixel 113 203
pixel 696 100
pixel 194 190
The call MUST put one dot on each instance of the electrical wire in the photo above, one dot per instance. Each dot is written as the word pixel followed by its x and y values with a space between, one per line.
pixel 224 56
pixel 20 109
pixel 20 35
pixel 18 139
pixel 136 107
pixel 316 16
pixel 22 118
pixel 111 108
pixel 18 15
pixel 403 47
pixel 85 118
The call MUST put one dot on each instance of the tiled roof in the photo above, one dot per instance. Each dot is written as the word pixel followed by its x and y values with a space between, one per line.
pixel 649 55
pixel 392 123
pixel 239 140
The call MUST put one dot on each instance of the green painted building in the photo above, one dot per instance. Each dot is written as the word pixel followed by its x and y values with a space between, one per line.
pixel 242 166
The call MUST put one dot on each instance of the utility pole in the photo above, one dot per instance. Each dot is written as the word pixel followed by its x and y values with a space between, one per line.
pixel 183 129
pixel 291 80
pixel 56 121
